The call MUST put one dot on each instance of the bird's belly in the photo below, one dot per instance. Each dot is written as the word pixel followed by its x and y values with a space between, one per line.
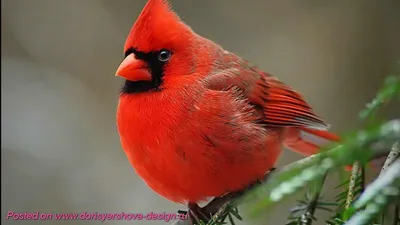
pixel 192 166
pixel 196 151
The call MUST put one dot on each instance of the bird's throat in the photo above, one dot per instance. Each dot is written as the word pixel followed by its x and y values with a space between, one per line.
pixel 133 87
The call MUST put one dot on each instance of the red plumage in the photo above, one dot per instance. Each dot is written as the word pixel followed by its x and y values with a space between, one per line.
pixel 205 122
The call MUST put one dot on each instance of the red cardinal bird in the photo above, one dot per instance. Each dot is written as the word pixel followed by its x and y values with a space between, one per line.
pixel 197 121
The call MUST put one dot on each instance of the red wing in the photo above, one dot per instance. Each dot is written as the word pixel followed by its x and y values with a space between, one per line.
pixel 281 105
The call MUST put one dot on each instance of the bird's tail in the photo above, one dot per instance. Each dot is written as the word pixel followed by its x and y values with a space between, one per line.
pixel 307 142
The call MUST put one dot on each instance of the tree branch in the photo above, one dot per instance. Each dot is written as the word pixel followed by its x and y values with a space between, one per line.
pixel 393 155
pixel 352 185
pixel 307 217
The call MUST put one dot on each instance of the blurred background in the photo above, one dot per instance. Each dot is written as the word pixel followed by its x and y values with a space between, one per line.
pixel 60 148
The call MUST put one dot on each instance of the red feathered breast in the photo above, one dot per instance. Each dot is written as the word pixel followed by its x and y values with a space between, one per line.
pixel 191 144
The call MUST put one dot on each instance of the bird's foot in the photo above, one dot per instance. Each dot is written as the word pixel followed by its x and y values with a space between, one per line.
pixel 197 214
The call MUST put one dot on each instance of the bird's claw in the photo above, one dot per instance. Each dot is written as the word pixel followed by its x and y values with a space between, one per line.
pixel 197 214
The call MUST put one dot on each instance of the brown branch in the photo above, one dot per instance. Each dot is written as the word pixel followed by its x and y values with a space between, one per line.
pixel 218 207
pixel 306 218
pixel 393 155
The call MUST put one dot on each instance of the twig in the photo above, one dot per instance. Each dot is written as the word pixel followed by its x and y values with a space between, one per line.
pixel 352 185
pixel 393 155
pixel 362 176
pixel 309 213
pixel 396 217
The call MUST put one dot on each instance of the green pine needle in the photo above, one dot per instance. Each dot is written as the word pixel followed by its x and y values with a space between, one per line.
pixel 390 91
pixel 378 195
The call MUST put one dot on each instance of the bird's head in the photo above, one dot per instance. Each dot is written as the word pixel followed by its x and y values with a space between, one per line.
pixel 158 46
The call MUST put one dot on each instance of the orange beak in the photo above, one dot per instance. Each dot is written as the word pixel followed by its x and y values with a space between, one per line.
pixel 134 69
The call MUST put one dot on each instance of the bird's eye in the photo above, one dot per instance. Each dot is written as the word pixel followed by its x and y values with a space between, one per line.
pixel 164 55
